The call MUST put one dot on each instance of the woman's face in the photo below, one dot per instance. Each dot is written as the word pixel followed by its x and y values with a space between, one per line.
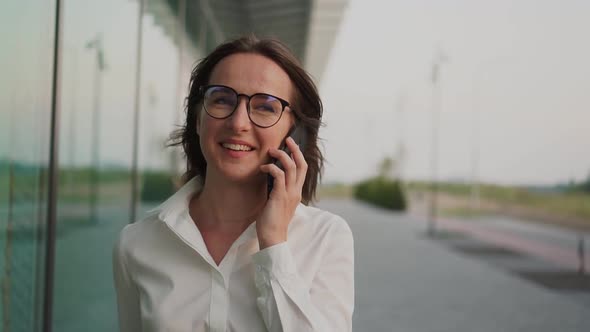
pixel 247 74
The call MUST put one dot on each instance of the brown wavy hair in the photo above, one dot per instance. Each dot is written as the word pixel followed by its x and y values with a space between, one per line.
pixel 307 107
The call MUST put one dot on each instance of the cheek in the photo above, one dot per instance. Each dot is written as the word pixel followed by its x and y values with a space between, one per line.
pixel 204 132
pixel 205 126
pixel 276 138
pixel 199 122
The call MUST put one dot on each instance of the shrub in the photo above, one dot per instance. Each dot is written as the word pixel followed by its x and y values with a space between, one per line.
pixel 157 186
pixel 382 192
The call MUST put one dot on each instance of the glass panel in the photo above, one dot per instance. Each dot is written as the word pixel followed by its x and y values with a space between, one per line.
pixel 160 103
pixel 96 137
pixel 96 145
pixel 26 31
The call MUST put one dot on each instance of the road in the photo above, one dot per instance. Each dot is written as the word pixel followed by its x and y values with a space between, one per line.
pixel 407 281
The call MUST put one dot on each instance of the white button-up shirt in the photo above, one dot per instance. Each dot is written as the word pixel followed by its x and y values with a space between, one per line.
pixel 166 280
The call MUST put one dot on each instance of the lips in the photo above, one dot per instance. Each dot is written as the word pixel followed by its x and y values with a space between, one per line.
pixel 236 145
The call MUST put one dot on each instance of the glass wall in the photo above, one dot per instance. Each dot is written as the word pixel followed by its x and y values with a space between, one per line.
pixel 96 144
pixel 160 102
pixel 97 106
pixel 25 112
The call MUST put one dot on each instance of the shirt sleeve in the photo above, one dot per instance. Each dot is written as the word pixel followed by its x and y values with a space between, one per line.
pixel 127 294
pixel 288 303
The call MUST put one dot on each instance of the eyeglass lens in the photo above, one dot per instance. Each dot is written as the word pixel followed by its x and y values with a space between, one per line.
pixel 220 102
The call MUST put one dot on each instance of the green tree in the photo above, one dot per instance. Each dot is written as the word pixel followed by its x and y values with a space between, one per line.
pixel 387 167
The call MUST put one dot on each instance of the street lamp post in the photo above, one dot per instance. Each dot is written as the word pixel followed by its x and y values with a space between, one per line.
pixel 399 153
pixel 439 59
pixel 96 44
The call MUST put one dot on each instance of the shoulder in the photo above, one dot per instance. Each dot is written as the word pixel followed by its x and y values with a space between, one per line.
pixel 134 235
pixel 321 222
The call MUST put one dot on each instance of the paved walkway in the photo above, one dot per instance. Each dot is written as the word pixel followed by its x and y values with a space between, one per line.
pixel 407 281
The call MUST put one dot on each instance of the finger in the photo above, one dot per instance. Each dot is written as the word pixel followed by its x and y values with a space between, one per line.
pixel 289 166
pixel 277 174
pixel 299 159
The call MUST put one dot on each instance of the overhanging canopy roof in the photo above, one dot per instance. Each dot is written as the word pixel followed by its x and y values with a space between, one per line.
pixel 308 27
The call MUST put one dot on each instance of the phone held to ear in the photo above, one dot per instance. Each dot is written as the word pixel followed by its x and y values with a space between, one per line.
pixel 298 135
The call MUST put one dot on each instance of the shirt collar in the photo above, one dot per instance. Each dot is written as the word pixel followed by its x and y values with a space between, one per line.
pixel 175 211
pixel 178 203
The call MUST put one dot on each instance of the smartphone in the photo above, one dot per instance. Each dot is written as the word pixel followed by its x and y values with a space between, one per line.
pixel 298 135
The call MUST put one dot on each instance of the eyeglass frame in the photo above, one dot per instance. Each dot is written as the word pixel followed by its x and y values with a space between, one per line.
pixel 284 103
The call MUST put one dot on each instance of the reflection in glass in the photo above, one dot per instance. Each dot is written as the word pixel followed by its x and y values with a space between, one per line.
pixel 25 108
pixel 95 144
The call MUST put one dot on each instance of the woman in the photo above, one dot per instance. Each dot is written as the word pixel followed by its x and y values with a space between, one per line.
pixel 226 253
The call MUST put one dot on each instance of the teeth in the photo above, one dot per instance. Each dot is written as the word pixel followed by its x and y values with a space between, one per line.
pixel 237 147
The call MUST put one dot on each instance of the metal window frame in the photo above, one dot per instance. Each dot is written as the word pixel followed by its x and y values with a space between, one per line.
pixel 53 169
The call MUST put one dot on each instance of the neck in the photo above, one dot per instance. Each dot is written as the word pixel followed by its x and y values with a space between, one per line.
pixel 228 204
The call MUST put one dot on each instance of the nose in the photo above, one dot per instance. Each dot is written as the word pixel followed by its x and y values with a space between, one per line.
pixel 239 120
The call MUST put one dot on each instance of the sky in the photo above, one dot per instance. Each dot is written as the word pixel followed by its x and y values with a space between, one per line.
pixel 512 97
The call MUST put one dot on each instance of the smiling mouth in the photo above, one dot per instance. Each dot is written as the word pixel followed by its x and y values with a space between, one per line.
pixel 237 147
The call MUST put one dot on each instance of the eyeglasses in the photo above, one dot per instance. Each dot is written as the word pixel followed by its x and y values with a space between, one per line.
pixel 221 101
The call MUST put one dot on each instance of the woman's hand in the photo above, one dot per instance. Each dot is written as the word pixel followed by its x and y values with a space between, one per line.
pixel 272 225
